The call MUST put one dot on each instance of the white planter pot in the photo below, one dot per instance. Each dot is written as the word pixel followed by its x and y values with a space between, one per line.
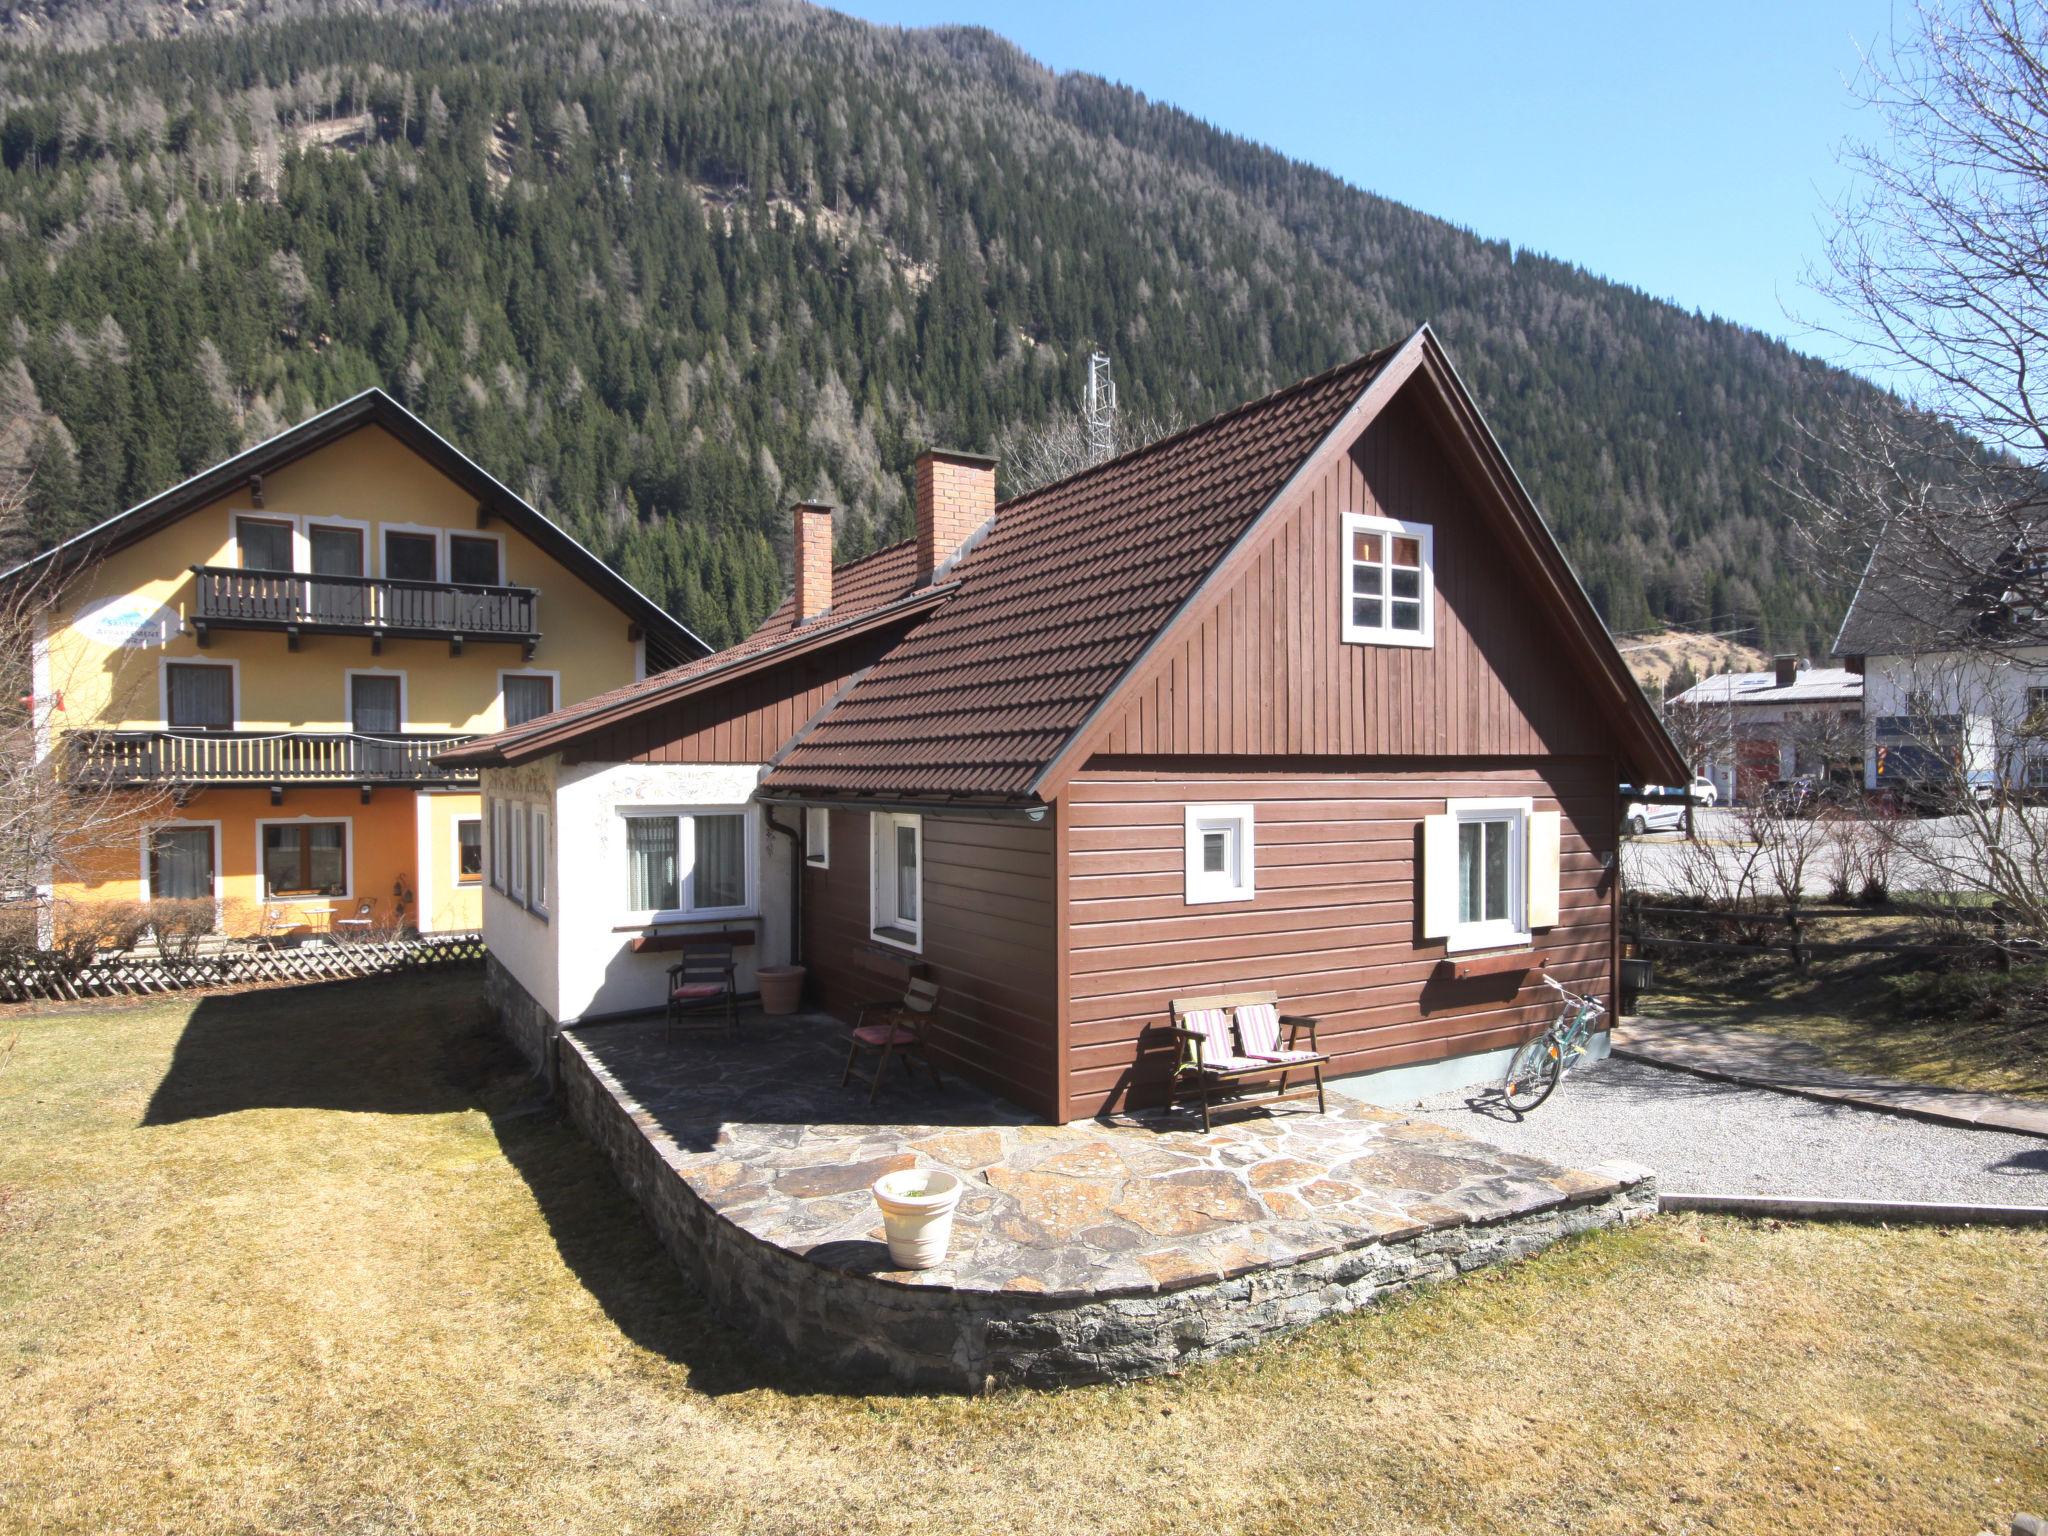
pixel 917 1214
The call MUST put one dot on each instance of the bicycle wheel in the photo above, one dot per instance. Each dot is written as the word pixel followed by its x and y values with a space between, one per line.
pixel 1532 1074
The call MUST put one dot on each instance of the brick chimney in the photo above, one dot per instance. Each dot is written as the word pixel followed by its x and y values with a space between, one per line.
pixel 1787 668
pixel 956 499
pixel 811 555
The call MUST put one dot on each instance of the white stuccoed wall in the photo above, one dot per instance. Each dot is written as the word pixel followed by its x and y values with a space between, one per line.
pixel 595 972
pixel 523 944
pixel 1992 692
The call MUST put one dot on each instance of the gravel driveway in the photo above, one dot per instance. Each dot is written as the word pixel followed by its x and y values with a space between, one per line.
pixel 1707 1137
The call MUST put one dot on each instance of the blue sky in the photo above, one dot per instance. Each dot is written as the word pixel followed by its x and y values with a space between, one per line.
pixel 1687 150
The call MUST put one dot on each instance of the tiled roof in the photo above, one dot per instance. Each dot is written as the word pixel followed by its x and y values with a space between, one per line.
pixel 1813 685
pixel 1057 601
pixel 876 595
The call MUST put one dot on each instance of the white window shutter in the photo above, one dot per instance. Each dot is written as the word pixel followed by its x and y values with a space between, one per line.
pixel 1546 852
pixel 1439 876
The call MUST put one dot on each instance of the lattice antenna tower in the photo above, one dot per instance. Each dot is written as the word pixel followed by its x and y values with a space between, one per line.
pixel 1100 409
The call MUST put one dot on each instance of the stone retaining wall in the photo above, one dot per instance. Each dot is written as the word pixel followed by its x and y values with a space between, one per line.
pixel 864 1328
pixel 521 1019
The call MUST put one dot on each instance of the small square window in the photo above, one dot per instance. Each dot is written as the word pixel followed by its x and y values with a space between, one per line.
pixel 1219 853
pixel 1388 586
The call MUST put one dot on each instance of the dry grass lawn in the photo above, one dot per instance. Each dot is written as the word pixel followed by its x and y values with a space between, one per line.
pixel 302 1261
pixel 1847 1006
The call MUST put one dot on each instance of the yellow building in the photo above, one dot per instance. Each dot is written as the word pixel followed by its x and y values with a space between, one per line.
pixel 280 645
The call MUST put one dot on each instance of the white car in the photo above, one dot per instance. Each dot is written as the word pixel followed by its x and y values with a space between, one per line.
pixel 1703 791
pixel 1639 815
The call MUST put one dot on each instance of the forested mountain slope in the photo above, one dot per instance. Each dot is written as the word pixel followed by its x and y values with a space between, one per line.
pixel 665 269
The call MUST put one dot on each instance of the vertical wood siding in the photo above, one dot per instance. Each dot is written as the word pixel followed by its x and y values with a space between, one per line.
pixel 1264 668
pixel 988 943
pixel 1332 924
pixel 747 721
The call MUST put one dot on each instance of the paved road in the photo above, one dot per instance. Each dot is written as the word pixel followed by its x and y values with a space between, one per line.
pixel 1705 1137
pixel 1652 862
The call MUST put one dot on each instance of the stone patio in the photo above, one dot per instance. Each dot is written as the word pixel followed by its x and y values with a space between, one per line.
pixel 1105 1249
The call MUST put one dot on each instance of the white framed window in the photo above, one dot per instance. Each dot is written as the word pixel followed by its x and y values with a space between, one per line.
pixel 818 836
pixel 1491 874
pixel 515 862
pixel 1219 853
pixel 305 858
pixel 537 897
pixel 691 863
pixel 896 888
pixel 1389 580
pixel 496 862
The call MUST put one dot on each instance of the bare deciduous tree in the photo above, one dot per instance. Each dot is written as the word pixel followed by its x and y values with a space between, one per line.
pixel 1937 268
pixel 1030 456
pixel 57 826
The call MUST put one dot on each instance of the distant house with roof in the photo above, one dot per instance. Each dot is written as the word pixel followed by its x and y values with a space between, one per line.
pixel 1303 698
pixel 1762 726
pixel 1955 681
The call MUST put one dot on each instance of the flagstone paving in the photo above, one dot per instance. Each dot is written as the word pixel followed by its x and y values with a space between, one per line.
pixel 761 1132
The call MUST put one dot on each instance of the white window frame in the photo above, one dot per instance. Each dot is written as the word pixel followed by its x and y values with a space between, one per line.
pixel 163 688
pixel 1239 881
pixel 1385 633
pixel 515 862
pixel 494 852
pixel 455 825
pixel 428 530
pixel 686 859
pixel 348 695
pixel 885 924
pixel 302 900
pixel 537 852
pixel 818 836
pixel 1513 931
pixel 483 535
pixel 149 832
pixel 554 678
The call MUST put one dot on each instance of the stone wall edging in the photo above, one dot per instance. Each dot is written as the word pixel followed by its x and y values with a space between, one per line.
pixel 865 1330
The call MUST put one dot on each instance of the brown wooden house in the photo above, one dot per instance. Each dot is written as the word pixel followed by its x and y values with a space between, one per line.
pixel 1303 698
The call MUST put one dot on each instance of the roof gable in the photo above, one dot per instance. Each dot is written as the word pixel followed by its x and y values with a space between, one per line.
pixel 1055 603
pixel 669 636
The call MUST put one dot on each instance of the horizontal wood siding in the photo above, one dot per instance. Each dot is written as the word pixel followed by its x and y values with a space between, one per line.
pixel 747 721
pixel 1261 666
pixel 1333 921
pixel 988 944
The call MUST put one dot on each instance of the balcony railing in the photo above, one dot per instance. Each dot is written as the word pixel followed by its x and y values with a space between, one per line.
pixel 176 758
pixel 377 606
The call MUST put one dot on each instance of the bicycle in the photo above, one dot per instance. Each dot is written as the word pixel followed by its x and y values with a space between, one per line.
pixel 1535 1069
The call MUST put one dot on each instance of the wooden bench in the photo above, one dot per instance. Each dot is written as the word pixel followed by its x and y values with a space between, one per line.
pixel 1217 1058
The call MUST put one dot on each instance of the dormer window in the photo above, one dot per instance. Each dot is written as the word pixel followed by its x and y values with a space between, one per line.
pixel 1388 585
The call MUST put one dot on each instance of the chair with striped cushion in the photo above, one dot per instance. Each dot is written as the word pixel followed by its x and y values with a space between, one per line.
pixel 1258 1026
pixel 893 1027
pixel 1219 1058
pixel 703 980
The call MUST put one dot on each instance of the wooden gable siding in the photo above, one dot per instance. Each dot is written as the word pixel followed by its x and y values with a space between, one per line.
pixel 1262 667
pixel 1332 924
pixel 988 944
pixel 748 720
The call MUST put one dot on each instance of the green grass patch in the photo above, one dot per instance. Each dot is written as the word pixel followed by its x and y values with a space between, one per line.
pixel 308 1261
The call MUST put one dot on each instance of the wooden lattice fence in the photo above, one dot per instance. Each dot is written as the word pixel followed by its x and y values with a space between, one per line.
pixel 133 973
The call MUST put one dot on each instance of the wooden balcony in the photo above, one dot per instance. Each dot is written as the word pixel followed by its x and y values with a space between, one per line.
pixel 273 760
pixel 378 607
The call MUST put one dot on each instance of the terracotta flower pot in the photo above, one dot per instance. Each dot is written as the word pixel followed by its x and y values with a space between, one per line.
pixel 782 988
pixel 917 1214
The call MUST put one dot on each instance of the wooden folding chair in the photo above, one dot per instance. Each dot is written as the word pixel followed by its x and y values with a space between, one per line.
pixel 893 1027
pixel 702 980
